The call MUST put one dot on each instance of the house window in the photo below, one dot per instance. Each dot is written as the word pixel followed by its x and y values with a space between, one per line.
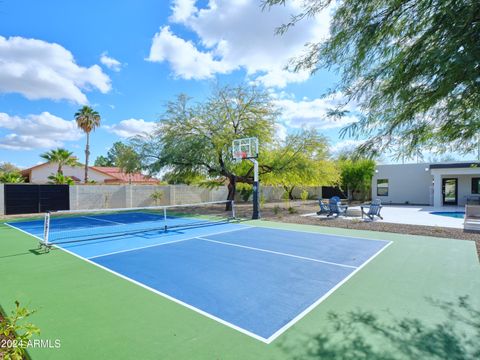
pixel 475 185
pixel 382 187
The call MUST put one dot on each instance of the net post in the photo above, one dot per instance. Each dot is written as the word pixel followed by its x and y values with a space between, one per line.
pixel 233 208
pixel 46 229
pixel 165 218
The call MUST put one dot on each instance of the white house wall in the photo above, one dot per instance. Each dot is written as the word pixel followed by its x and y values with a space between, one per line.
pixel 40 174
pixel 407 183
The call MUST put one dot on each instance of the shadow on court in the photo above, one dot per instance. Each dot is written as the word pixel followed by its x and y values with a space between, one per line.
pixel 362 335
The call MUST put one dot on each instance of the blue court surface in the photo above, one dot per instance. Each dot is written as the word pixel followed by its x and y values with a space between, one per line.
pixel 257 280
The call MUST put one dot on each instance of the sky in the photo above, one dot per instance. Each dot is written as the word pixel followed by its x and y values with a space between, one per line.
pixel 127 58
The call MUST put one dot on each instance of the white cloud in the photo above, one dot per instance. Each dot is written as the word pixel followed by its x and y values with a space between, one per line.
pixel 345 145
pixel 182 10
pixel 313 113
pixel 187 62
pixel 111 63
pixel 131 127
pixel 236 34
pixel 37 131
pixel 41 70
pixel 281 131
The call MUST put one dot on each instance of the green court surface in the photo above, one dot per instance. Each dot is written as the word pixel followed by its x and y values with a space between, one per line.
pixel 420 298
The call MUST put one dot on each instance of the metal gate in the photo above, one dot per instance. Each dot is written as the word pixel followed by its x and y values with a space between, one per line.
pixel 31 198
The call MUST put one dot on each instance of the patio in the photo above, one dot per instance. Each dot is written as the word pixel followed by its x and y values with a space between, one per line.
pixel 411 215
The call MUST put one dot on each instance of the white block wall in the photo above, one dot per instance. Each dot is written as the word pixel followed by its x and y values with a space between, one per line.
pixel 410 183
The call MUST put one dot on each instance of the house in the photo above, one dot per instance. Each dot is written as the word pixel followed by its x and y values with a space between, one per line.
pixel 101 175
pixel 438 184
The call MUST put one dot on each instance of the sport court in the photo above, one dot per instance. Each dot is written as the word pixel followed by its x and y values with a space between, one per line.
pixel 257 280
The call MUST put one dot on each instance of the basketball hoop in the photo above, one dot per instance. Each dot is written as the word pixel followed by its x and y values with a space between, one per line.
pixel 248 149
pixel 245 149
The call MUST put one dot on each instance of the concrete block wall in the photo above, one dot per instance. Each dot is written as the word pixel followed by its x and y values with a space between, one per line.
pixel 98 197
pixel 2 200
pixel 125 196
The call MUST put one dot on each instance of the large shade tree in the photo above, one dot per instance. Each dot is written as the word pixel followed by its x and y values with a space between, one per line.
pixel 112 155
pixel 195 140
pixel 301 160
pixel 61 157
pixel 129 161
pixel 87 120
pixel 413 66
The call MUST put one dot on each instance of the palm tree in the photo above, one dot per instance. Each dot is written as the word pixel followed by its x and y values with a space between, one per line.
pixel 60 156
pixel 87 119
pixel 59 178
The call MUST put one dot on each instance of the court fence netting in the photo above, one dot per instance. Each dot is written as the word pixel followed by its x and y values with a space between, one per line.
pixel 70 226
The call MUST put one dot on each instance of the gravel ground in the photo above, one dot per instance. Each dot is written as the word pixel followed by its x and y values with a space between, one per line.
pixel 280 212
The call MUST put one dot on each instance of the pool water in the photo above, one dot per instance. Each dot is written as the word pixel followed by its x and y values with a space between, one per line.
pixel 453 214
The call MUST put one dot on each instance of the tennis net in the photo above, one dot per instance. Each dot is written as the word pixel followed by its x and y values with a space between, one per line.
pixel 84 225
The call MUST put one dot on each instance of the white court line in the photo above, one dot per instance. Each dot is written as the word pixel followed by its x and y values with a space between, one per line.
pixel 260 225
pixel 246 332
pixel 25 232
pixel 175 300
pixel 109 221
pixel 165 243
pixel 276 253
pixel 327 294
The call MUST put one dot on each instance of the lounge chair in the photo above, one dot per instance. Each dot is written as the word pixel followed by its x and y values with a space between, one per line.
pixel 336 207
pixel 324 208
pixel 373 209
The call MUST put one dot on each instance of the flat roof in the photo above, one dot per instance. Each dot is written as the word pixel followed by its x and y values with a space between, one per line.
pixel 455 165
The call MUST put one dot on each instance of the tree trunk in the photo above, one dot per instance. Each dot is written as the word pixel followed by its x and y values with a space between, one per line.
pixel 87 154
pixel 232 189
pixel 290 193
pixel 59 170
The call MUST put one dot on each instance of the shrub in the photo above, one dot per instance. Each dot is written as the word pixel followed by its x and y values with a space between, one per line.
pixel 276 209
pixel 246 190
pixel 262 200
pixel 304 195
pixel 157 196
pixel 292 210
pixel 15 331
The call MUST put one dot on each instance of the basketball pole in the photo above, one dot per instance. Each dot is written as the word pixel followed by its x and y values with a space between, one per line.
pixel 256 191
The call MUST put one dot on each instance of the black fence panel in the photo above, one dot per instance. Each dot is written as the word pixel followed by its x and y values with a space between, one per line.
pixel 31 198
pixel 331 191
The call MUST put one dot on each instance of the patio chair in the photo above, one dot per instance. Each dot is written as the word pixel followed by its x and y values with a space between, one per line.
pixel 324 208
pixel 336 207
pixel 373 209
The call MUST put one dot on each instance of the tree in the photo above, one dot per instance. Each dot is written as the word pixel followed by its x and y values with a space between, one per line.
pixel 112 155
pixel 88 120
pixel 13 177
pixel 197 139
pixel 129 162
pixel 301 161
pixel 6 167
pixel 413 66
pixel 193 142
pixel 60 156
pixel 60 179
pixel 102 161
pixel 356 176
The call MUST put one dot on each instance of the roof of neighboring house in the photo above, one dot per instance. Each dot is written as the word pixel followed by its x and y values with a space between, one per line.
pixel 116 175
pixel 27 172
pixel 120 176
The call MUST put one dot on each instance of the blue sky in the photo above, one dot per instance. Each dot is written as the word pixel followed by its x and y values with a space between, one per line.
pixel 128 58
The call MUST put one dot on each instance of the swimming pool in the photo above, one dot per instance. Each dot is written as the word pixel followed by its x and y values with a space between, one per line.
pixel 453 214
